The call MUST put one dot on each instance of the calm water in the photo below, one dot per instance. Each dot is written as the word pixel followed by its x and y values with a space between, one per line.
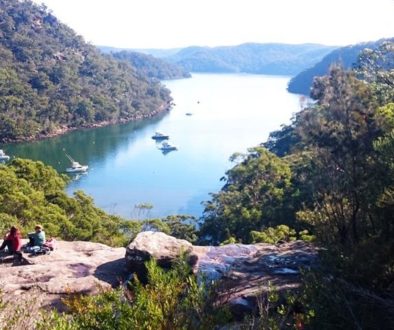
pixel 230 113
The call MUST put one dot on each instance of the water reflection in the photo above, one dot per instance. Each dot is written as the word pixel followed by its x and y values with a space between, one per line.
pixel 237 111
pixel 88 146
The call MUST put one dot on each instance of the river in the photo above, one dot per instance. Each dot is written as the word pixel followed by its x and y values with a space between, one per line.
pixel 227 113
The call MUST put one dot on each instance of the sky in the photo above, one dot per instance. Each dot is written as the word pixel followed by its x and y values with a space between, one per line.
pixel 182 23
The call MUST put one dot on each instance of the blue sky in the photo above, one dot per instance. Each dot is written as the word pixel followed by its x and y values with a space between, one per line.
pixel 181 23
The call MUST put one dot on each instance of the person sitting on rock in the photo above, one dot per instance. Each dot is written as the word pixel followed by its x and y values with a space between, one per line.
pixel 36 239
pixel 12 240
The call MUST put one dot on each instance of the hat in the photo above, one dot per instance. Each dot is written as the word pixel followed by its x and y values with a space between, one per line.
pixel 38 227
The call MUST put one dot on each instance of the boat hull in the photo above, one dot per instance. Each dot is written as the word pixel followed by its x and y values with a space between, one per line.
pixel 77 169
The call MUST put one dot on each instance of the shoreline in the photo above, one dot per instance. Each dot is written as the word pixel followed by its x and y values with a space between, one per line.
pixel 64 130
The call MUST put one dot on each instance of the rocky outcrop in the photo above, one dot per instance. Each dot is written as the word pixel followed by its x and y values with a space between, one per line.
pixel 159 246
pixel 240 271
pixel 74 267
pixel 244 271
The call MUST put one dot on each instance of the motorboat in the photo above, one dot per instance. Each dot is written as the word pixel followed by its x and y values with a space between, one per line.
pixel 75 166
pixel 189 114
pixel 165 146
pixel 3 156
pixel 160 136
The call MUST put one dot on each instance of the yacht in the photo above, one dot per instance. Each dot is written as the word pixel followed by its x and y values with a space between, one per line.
pixel 160 136
pixel 75 166
pixel 165 146
pixel 3 156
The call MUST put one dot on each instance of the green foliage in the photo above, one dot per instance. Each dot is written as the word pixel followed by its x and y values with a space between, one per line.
pixel 282 233
pixel 171 300
pixel 340 151
pixel 152 67
pixel 376 66
pixel 51 80
pixel 339 304
pixel 179 226
pixel 345 56
pixel 253 197
pixel 31 193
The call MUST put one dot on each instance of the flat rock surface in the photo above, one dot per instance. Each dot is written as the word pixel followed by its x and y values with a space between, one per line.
pixel 73 267
pixel 244 271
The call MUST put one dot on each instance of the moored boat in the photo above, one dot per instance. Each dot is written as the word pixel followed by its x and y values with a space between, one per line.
pixel 3 156
pixel 160 136
pixel 165 146
pixel 75 166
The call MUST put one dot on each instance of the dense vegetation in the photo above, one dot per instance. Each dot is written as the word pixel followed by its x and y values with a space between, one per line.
pixel 329 173
pixel 152 67
pixel 333 174
pixel 31 193
pixel 51 80
pixel 344 56
pixel 171 300
pixel 277 59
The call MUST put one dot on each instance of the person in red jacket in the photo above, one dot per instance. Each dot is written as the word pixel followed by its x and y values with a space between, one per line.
pixel 12 240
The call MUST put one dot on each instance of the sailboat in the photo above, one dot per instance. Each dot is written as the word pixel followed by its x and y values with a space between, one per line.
pixel 3 156
pixel 75 166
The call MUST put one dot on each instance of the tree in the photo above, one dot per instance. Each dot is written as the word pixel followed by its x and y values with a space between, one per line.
pixel 339 132
pixel 253 197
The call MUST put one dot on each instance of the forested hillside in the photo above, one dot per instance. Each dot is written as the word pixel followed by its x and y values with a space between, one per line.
pixel 276 59
pixel 345 56
pixel 329 172
pixel 152 67
pixel 51 80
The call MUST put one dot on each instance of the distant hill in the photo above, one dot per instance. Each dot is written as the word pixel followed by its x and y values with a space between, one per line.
pixel 346 56
pixel 52 81
pixel 272 58
pixel 151 66
pixel 158 53
pixel 275 59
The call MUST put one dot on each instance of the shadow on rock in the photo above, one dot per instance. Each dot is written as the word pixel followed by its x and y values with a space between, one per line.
pixel 113 272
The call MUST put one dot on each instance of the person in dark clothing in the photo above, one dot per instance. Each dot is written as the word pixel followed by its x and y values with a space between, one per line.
pixel 12 240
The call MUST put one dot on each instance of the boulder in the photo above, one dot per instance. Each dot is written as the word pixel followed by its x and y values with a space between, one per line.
pixel 158 246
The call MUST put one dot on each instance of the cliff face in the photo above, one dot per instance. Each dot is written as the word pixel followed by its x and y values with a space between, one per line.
pixel 85 268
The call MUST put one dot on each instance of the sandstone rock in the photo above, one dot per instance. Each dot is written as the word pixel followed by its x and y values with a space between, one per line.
pixel 157 245
pixel 244 271
pixel 74 267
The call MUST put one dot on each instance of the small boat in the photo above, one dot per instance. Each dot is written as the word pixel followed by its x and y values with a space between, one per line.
pixel 3 156
pixel 160 136
pixel 189 114
pixel 165 146
pixel 75 166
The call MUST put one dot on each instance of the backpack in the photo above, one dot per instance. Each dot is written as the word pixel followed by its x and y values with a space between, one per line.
pixel 50 244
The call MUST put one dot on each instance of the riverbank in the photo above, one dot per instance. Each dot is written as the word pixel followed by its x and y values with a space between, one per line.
pixel 65 129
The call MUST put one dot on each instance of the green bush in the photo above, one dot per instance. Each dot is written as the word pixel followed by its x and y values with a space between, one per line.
pixel 284 233
pixel 171 300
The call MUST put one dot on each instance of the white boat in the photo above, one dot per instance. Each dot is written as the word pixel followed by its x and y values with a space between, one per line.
pixel 165 146
pixel 3 156
pixel 75 166
pixel 160 136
